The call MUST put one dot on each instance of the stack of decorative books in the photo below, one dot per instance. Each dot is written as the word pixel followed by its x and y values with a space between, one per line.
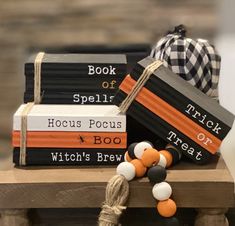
pixel 174 110
pixel 74 121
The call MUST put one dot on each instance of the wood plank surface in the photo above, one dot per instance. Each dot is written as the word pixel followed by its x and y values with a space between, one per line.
pixel 34 187
pixel 88 217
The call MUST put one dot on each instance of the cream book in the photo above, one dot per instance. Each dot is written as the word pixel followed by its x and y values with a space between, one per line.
pixel 85 118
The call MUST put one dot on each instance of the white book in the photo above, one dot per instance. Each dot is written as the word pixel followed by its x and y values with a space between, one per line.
pixel 93 118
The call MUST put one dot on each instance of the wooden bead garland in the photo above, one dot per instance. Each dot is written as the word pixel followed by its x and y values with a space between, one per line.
pixel 144 158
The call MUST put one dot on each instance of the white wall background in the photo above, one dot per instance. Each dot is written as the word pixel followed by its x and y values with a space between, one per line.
pixel 225 43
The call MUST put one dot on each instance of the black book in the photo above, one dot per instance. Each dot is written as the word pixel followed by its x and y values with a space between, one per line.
pixel 90 73
pixel 133 52
pixel 79 157
pixel 81 74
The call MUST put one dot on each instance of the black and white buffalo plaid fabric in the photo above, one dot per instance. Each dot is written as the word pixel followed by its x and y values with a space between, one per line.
pixel 196 61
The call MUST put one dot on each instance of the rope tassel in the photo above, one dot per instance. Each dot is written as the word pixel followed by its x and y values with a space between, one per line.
pixel 117 192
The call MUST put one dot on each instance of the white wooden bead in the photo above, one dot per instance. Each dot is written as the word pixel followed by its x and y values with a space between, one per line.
pixel 140 147
pixel 162 161
pixel 126 169
pixel 162 191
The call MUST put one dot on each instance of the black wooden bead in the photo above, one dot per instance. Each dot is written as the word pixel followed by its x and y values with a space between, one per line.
pixel 156 174
pixel 175 155
pixel 130 150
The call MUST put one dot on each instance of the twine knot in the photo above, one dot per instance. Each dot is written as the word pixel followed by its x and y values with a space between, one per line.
pixel 111 214
pixel 117 192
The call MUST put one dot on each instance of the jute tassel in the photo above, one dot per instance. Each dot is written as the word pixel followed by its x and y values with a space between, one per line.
pixel 117 192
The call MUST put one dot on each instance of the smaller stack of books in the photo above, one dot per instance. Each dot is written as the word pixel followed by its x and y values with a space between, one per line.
pixel 71 135
pixel 175 110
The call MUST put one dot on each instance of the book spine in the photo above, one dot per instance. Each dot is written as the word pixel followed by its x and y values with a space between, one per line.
pixel 175 82
pixel 79 69
pixel 73 123
pixel 75 97
pixel 105 84
pixel 75 74
pixel 79 157
pixel 186 106
pixel 71 140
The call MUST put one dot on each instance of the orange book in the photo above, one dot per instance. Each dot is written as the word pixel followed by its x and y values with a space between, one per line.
pixel 45 139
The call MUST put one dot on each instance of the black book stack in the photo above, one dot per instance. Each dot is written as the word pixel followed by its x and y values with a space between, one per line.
pixel 76 78
pixel 65 81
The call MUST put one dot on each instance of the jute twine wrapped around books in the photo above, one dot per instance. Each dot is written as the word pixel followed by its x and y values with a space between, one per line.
pixel 28 107
pixel 139 84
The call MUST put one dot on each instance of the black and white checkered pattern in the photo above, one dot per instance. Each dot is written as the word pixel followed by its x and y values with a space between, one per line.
pixel 196 61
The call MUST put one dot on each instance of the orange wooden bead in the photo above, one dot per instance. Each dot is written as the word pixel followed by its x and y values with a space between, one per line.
pixel 166 208
pixel 140 169
pixel 127 157
pixel 150 156
pixel 168 156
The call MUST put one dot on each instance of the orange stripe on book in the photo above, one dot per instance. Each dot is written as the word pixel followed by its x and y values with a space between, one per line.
pixel 71 139
pixel 171 115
